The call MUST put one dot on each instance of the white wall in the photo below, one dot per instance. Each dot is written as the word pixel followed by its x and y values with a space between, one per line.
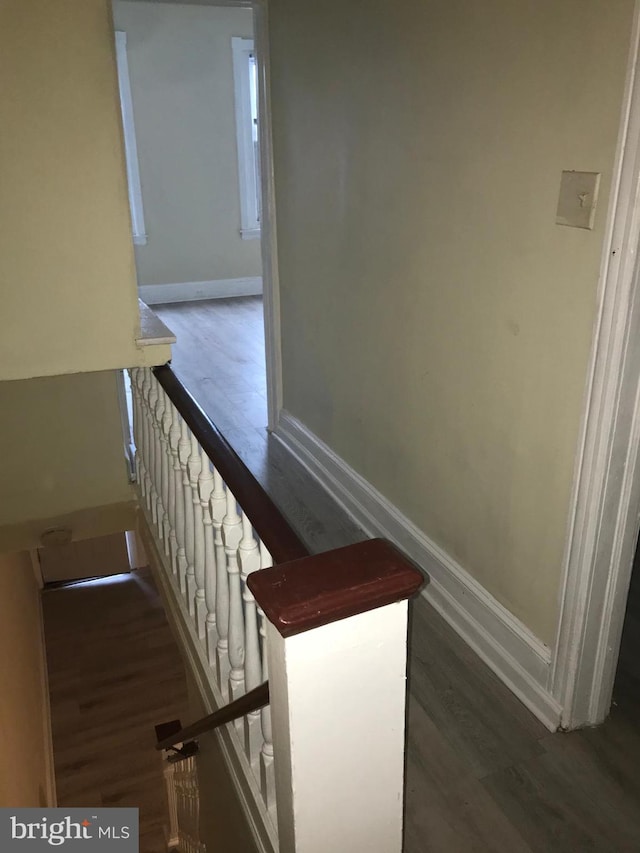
pixel 436 322
pixel 180 66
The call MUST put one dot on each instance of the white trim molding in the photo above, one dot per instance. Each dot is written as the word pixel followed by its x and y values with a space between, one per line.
pixel 603 524
pixel 191 291
pixel 246 110
pixel 517 657
pixel 250 233
pixel 269 240
pixel 134 184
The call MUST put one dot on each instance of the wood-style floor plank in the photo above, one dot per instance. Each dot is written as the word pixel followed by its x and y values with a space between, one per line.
pixel 114 673
pixel 484 723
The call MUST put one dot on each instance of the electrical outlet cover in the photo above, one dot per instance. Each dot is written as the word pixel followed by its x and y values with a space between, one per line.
pixel 577 199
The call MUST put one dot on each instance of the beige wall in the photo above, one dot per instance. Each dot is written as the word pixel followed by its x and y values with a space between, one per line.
pixel 67 276
pixel 180 66
pixel 25 736
pixel 436 323
pixel 63 447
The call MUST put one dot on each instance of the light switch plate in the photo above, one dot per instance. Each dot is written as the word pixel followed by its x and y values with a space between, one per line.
pixel 577 199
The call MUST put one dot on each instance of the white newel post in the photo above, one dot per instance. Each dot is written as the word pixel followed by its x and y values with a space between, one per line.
pixel 156 404
pixel 338 693
pixel 192 471
pixel 170 785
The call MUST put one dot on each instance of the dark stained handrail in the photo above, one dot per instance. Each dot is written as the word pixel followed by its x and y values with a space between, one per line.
pixel 251 701
pixel 273 529
pixel 300 592
pixel 306 594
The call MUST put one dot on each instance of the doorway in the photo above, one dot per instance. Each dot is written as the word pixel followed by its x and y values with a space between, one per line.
pixel 605 511
pixel 193 84
pixel 626 688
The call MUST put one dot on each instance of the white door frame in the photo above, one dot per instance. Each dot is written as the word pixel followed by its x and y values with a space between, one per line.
pixel 270 288
pixel 605 508
pixel 268 231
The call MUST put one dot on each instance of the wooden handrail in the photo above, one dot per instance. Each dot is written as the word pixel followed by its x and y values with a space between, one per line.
pixel 251 701
pixel 273 529
pixel 315 591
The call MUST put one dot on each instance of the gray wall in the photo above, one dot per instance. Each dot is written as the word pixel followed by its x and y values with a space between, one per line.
pixel 436 322
pixel 180 66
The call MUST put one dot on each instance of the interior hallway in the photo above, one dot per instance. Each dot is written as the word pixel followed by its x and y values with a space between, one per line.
pixel 219 357
pixel 483 774
pixel 114 673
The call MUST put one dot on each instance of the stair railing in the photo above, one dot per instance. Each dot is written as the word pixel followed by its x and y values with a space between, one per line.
pixel 321 765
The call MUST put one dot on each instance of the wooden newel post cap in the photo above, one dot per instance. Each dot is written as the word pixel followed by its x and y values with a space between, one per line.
pixel 314 591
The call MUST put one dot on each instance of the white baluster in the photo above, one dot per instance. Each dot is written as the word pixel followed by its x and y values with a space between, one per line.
pixel 218 507
pixel 153 447
pixel 206 597
pixel 249 561
pixel 146 435
pixel 170 785
pixel 174 463
pixel 166 467
pixel 184 492
pixel 267 775
pixel 134 379
pixel 195 581
pixel 158 412
pixel 231 534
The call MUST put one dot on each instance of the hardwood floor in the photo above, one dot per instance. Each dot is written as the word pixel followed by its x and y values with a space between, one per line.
pixel 483 774
pixel 219 357
pixel 220 350
pixel 114 673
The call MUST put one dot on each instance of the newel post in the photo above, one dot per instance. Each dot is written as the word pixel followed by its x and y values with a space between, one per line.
pixel 337 660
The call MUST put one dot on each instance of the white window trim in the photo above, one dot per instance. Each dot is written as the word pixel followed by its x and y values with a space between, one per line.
pixel 130 146
pixel 247 174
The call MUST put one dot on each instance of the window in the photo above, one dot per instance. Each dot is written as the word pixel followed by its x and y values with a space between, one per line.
pixel 245 78
pixel 130 147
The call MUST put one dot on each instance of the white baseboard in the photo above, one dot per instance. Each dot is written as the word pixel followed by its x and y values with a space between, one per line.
pixel 190 291
pixel 507 646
